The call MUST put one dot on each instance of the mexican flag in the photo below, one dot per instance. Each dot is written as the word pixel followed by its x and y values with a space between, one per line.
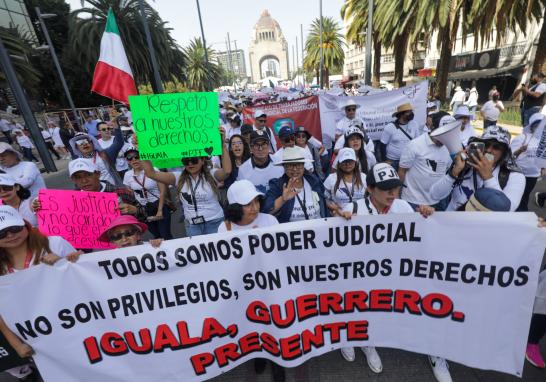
pixel 113 77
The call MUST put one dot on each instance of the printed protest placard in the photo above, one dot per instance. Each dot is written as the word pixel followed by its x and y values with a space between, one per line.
pixel 198 307
pixel 176 125
pixel 77 216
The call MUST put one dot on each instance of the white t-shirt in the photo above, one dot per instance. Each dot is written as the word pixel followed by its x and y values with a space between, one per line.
pixel 121 162
pixel 527 159
pixel 58 246
pixel 344 123
pixel 24 141
pixel 27 175
pixel 208 205
pixel 398 206
pixel 310 199
pixel 472 98
pixel 46 136
pixel 259 177
pixel 426 163
pixel 56 135
pixel 101 166
pixel 541 88
pixel 490 112
pixel 396 140
pixel 262 220
pixel 459 96
pixel 152 189
pixel 277 158
pixel 346 192
pixel 26 212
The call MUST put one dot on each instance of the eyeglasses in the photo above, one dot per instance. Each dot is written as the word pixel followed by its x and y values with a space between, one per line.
pixel 14 229
pixel 6 188
pixel 107 129
pixel 350 109
pixel 132 157
pixel 260 146
pixel 83 142
pixel 188 161
pixel 262 120
pixel 121 235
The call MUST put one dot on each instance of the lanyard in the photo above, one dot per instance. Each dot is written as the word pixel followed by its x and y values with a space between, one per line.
pixel 94 157
pixel 193 189
pixel 28 259
pixel 352 189
pixel 144 190
pixel 303 204
pixel 367 201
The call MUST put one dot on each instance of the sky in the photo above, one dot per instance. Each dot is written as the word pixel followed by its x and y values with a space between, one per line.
pixel 238 17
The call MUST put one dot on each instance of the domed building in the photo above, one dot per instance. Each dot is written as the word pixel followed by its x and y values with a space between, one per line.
pixel 268 50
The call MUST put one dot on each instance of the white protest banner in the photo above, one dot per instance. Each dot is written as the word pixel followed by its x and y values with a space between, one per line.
pixel 456 285
pixel 376 109
pixel 540 154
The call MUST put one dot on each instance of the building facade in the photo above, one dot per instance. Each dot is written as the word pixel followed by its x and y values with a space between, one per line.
pixel 268 50
pixel 237 64
pixel 13 14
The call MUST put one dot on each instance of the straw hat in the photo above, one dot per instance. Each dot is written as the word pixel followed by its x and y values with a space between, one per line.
pixel 402 108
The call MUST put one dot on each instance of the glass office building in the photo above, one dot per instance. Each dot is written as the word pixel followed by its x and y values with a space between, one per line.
pixel 13 13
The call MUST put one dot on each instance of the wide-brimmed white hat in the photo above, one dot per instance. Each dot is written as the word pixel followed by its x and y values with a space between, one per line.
pixel 343 155
pixel 9 217
pixel 242 192
pixel 348 103
pixel 294 154
pixel 81 164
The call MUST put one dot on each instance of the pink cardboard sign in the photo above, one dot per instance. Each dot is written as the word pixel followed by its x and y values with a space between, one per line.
pixel 77 216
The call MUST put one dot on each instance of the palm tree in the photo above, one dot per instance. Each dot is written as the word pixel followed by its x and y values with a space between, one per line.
pixel 19 49
pixel 87 26
pixel 201 75
pixel 332 43
pixel 355 12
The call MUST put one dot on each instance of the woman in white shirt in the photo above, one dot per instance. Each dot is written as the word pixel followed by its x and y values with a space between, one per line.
pixel 197 187
pixel 347 184
pixel 106 140
pixel 23 246
pixel 149 194
pixel 55 132
pixel 243 211
pixel 26 145
pixel 524 148
pixel 18 197
pixel 491 110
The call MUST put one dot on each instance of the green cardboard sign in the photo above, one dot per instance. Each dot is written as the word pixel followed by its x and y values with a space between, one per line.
pixel 173 126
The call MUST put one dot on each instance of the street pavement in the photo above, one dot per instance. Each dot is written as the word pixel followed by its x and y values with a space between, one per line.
pixel 331 367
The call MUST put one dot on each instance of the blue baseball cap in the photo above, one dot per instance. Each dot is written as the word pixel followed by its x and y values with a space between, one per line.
pixel 488 199
pixel 286 131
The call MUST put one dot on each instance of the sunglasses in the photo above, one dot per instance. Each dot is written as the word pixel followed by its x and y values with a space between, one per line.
pixel 132 157
pixel 83 142
pixel 107 129
pixel 495 145
pixel 14 229
pixel 351 109
pixel 188 161
pixel 121 235
pixel 6 188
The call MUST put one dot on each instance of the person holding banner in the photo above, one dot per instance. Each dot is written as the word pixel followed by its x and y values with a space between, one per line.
pixel 12 194
pixel 296 195
pixel 524 147
pixel 198 192
pixel 473 169
pixel 150 195
pixel 23 246
pixel 347 184
pixel 243 210
pixel 397 134
pixel 25 173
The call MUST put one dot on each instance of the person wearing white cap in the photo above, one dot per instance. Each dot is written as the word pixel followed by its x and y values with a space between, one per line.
pixel 260 121
pixel 349 108
pixel 464 115
pixel 355 123
pixel 243 210
pixel 492 168
pixel 18 197
pixel 397 134
pixel 524 148
pixel 381 198
pixel 296 195
pixel 23 246
pixel 363 147
pixel 458 98
pixel 347 184
pixel 423 161
pixel 25 173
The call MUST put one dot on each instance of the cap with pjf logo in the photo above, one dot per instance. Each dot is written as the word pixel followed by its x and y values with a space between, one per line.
pixel 383 176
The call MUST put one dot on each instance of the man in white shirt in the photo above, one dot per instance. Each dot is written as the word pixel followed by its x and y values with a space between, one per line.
pixel 397 134
pixel 458 98
pixel 491 169
pixel 260 121
pixel 349 107
pixel 259 169
pixel 491 110
pixel 472 101
pixel 25 173
pixel 423 161
pixel 533 97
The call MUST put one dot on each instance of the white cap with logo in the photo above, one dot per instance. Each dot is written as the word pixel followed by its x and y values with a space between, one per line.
pixel 9 217
pixel 345 154
pixel 383 176
pixel 242 192
pixel 81 164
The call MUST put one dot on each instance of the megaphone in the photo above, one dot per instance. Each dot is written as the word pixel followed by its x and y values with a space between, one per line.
pixel 450 136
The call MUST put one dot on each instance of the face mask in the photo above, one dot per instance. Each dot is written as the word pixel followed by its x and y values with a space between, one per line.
pixel 410 116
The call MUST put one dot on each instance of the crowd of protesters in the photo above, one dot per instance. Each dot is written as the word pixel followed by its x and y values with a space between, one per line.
pixel 265 177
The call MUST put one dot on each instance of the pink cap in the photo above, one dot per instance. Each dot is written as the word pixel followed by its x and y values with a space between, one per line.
pixel 122 220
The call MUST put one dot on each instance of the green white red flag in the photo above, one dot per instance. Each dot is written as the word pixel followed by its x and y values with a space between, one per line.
pixel 113 77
